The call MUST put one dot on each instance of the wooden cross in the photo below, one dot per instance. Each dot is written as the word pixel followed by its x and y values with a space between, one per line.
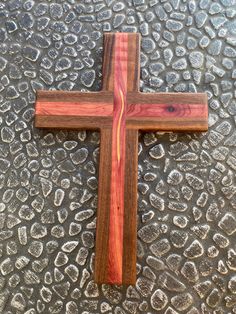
pixel 119 111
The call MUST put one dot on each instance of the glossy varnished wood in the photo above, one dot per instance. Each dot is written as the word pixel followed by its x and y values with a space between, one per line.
pixel 119 111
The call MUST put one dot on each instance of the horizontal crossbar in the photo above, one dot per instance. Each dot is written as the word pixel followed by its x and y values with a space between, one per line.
pixel 156 112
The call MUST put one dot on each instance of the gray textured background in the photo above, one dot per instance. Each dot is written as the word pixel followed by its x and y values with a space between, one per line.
pixel 187 188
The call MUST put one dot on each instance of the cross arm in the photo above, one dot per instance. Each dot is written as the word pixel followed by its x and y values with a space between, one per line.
pixel 73 110
pixel 167 111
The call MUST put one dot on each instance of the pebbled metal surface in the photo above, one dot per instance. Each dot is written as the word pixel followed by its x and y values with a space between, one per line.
pixel 187 186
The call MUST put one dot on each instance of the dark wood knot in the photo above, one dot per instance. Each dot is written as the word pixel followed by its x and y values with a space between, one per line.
pixel 170 108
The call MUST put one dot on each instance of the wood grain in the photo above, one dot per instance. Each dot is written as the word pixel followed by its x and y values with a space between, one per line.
pixel 83 109
pixel 166 98
pixel 130 213
pixel 103 213
pixel 73 96
pixel 133 62
pixel 73 110
pixel 72 122
pixel 119 111
pixel 166 117
pixel 167 125
pixel 108 61
pixel 167 112
pixel 116 225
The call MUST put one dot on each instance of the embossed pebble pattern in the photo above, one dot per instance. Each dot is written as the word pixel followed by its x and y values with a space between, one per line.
pixel 187 205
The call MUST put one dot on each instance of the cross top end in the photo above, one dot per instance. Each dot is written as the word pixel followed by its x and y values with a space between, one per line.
pixel 119 111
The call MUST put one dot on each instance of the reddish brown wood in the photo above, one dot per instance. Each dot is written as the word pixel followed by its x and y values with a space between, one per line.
pixel 119 111
pixel 108 62
pixel 103 213
pixel 131 169
pixel 167 117
pixel 166 98
pixel 116 224
pixel 133 63
pixel 130 213
pixel 75 109
pixel 58 96
pixel 73 122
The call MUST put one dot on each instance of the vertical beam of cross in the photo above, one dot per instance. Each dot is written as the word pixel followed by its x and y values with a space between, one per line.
pixel 121 74
pixel 131 169
pixel 119 111
pixel 116 224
